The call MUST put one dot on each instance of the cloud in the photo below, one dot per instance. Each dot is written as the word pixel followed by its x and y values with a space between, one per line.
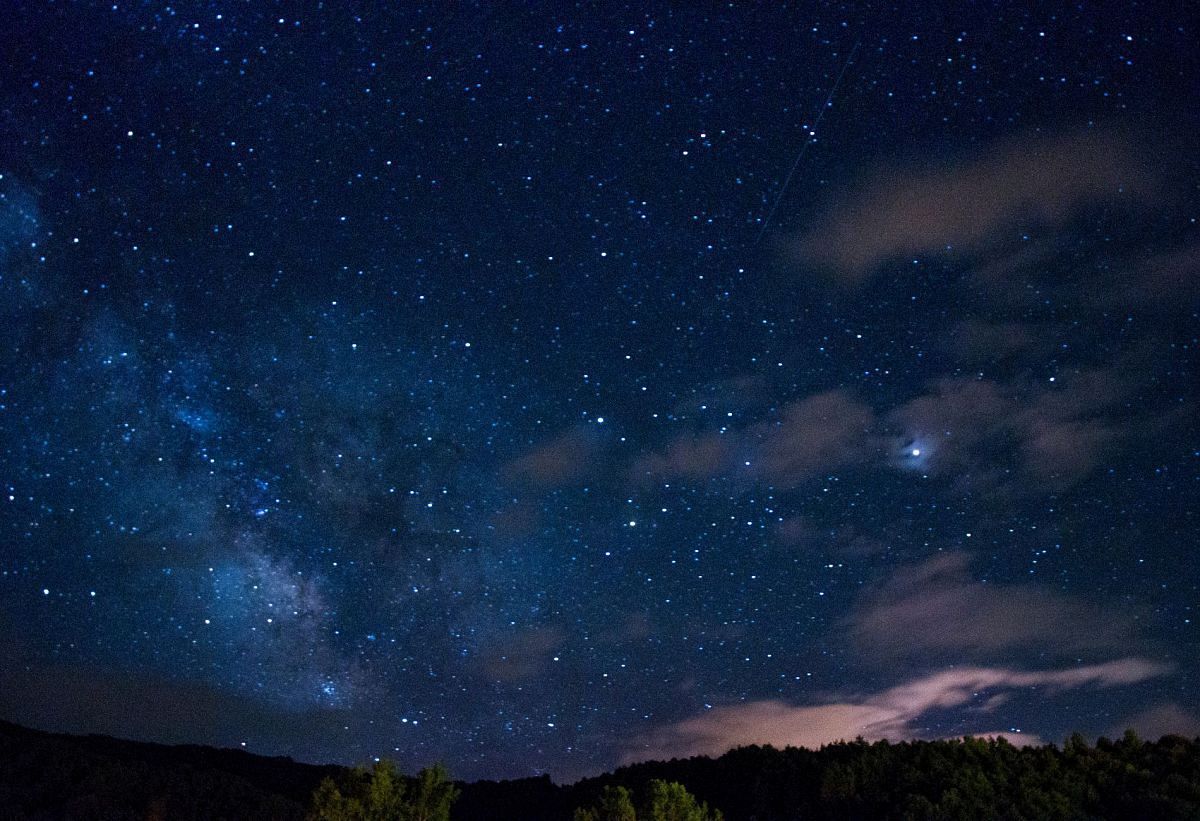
pixel 1168 281
pixel 797 530
pixel 1028 436
pixel 891 714
pixel 959 429
pixel 816 434
pixel 688 457
pixel 984 342
pixel 630 627
pixel 965 206
pixel 1121 276
pixel 936 607
pixel 1061 451
pixel 1015 437
pixel 845 539
pixel 522 656
pixel 819 433
pixel 1167 718
pixel 760 722
pixel 560 462
pixel 1019 436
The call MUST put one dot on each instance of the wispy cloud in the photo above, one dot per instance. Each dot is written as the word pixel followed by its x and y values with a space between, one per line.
pixel 1167 718
pixel 561 461
pixel 689 457
pixel 818 433
pixel 1020 434
pixel 1025 434
pixel 937 607
pixel 891 714
pixel 521 655
pixel 1164 282
pixel 967 205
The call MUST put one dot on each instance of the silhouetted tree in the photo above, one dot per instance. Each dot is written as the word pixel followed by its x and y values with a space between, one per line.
pixel 432 795
pixel 670 801
pixel 365 795
pixel 664 801
pixel 616 804
pixel 381 794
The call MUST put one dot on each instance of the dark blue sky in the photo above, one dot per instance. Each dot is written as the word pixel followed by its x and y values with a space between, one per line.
pixel 426 381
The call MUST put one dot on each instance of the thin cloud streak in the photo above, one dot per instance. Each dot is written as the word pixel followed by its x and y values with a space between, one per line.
pixel 890 714
pixel 824 431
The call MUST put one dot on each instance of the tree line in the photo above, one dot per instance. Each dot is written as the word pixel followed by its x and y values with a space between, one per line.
pixel 381 793
pixel 48 776
pixel 968 778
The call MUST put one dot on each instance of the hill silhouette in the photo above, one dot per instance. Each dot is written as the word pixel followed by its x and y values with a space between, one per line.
pixel 51 776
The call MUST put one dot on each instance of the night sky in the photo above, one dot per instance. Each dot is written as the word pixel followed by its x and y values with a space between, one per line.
pixel 539 387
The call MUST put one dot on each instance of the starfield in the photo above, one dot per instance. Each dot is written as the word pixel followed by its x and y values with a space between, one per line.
pixel 508 390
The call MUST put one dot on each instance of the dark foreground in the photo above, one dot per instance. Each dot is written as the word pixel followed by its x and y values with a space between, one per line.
pixel 46 776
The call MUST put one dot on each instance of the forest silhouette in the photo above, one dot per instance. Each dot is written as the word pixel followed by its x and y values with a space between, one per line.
pixel 52 776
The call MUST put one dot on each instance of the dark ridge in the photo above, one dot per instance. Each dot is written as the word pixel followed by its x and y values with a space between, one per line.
pixel 53 775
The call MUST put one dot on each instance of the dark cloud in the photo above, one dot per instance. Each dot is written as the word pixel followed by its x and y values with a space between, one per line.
pixel 1061 452
pixel 937 608
pixel 698 457
pixel 1018 436
pixel 521 656
pixel 987 342
pixel 629 627
pixel 796 530
pixel 819 433
pixel 844 539
pixel 564 460
pixel 1167 718
pixel 1162 282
